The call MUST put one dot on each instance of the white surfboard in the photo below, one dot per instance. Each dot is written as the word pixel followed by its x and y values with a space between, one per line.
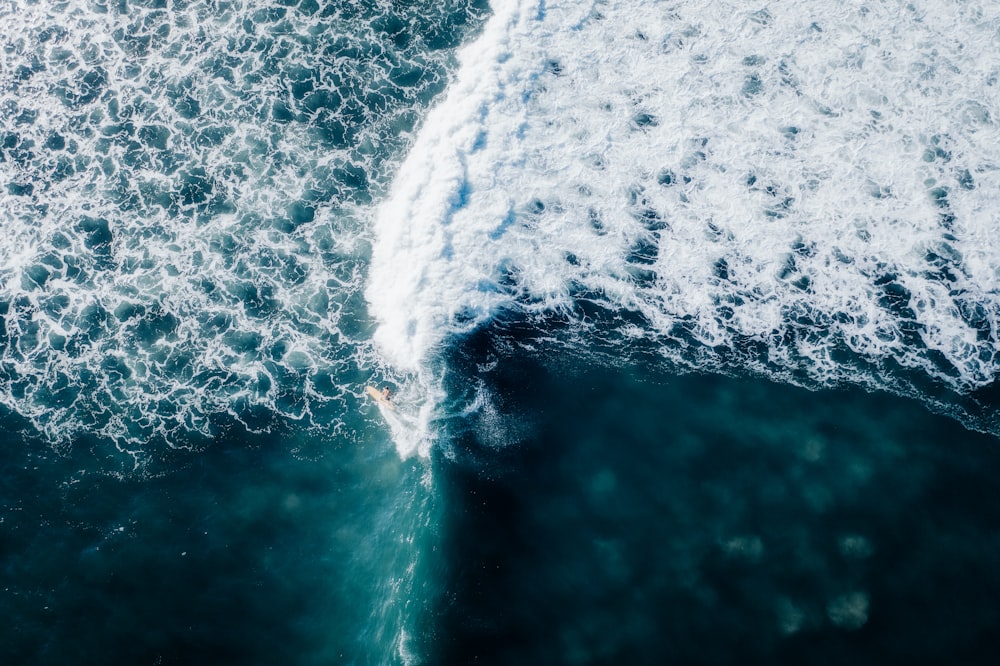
pixel 377 396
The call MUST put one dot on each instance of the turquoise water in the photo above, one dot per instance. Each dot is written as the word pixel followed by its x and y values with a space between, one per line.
pixel 247 552
pixel 690 315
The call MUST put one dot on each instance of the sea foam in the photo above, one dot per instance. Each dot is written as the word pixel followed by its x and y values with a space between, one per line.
pixel 803 192
pixel 183 196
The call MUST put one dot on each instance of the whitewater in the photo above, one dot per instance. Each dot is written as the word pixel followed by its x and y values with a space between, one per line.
pixel 804 194
pixel 222 219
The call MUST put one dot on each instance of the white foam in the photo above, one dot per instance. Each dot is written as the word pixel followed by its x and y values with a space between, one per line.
pixel 423 275
pixel 137 311
pixel 730 173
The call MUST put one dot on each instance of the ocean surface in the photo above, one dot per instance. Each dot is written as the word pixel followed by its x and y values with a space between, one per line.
pixel 690 311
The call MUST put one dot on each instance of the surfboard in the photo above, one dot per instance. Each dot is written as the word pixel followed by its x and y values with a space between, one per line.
pixel 376 395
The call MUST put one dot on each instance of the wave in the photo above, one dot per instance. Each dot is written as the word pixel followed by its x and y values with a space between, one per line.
pixel 804 193
pixel 185 195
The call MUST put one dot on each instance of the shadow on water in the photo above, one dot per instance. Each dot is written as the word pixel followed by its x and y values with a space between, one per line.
pixel 618 516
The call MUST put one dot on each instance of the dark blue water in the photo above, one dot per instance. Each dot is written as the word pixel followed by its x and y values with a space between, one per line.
pixel 632 517
pixel 596 517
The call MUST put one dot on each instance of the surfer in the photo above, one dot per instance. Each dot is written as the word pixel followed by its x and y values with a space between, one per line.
pixel 382 396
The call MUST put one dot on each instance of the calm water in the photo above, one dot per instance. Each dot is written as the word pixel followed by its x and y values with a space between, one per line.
pixel 701 519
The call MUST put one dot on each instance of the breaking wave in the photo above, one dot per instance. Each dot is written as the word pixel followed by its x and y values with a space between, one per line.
pixel 804 193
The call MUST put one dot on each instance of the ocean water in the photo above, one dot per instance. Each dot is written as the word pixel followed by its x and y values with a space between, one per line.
pixel 690 311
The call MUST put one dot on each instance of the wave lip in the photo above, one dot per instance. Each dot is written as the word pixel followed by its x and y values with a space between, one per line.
pixel 426 280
